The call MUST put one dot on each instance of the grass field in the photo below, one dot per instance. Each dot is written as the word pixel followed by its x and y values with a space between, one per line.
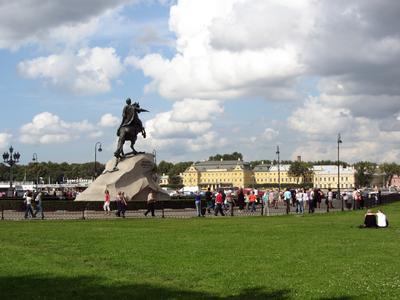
pixel 285 257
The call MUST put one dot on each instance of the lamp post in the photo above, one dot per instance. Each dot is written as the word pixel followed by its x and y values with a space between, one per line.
pixel 97 147
pixel 11 158
pixel 279 170
pixel 339 141
pixel 36 161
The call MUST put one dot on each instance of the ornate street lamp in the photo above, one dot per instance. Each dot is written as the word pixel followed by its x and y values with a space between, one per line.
pixel 97 147
pixel 35 161
pixel 339 141
pixel 11 158
pixel 279 170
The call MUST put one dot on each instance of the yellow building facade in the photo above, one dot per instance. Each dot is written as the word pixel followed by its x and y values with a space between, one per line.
pixel 218 174
pixel 228 174
pixel 264 174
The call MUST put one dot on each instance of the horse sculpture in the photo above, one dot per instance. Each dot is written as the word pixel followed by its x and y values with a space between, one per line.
pixel 130 127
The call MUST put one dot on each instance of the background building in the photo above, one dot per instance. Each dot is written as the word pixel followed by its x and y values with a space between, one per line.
pixel 326 177
pixel 219 174
pixel 228 174
pixel 163 179
pixel 268 175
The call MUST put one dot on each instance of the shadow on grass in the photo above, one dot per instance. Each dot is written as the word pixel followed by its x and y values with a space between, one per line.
pixel 39 287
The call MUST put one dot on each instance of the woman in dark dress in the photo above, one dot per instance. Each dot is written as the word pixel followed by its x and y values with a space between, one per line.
pixel 240 200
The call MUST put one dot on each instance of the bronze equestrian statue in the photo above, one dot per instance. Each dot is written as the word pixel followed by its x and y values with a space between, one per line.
pixel 130 127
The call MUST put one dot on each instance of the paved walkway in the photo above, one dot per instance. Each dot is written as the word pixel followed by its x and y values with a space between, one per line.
pixel 168 213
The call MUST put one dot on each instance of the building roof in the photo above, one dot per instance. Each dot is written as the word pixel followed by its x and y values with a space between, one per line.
pixel 223 165
pixel 332 170
pixel 262 168
pixel 282 168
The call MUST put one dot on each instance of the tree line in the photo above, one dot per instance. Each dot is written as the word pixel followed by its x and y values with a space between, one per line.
pixel 50 172
pixel 59 172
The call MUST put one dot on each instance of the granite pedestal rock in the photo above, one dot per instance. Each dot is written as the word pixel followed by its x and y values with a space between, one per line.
pixel 134 176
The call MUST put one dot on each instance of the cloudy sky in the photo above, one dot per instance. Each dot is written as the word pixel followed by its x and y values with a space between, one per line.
pixel 216 76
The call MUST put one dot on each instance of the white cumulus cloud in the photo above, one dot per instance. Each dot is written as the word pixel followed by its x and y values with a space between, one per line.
pixel 89 71
pixel 227 49
pixel 108 120
pixel 4 140
pixel 187 127
pixel 47 128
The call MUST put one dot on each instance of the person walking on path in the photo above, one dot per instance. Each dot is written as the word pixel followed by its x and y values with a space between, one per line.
pixel 121 204
pixel 38 205
pixel 329 203
pixel 317 198
pixel 28 204
pixel 247 201
pixel 197 202
pixel 124 204
pixel 229 202
pixel 151 203
pixel 300 201
pixel 218 204
pixel 209 202
pixel 240 200
pixel 311 201
pixel 252 201
pixel 287 196
pixel 106 206
pixel 265 199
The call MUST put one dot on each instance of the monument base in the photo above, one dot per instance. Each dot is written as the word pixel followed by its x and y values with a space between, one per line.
pixel 134 176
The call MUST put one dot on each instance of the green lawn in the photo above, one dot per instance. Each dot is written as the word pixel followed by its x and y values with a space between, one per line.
pixel 285 257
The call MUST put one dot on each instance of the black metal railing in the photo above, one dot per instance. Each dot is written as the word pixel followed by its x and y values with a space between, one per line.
pixel 14 208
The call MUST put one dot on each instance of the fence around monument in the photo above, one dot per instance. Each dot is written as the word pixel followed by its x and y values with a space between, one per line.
pixel 14 209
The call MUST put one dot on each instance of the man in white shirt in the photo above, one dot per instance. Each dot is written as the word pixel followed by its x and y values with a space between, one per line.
pixel 287 195
pixel 381 219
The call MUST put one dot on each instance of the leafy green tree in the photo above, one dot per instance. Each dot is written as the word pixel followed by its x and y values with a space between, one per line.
pixel 329 162
pixel 300 169
pixel 164 167
pixel 390 169
pixel 364 172
pixel 179 168
pixel 234 156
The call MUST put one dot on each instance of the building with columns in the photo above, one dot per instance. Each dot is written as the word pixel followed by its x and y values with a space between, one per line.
pixel 229 174
pixel 219 174
pixel 326 177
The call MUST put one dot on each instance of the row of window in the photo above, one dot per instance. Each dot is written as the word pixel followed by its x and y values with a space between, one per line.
pixel 331 178
pixel 327 186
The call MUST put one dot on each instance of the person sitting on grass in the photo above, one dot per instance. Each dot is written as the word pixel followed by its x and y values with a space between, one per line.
pixel 369 220
pixel 381 219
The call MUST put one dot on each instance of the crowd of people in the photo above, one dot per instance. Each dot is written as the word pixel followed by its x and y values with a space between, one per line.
pixel 122 202
pixel 221 202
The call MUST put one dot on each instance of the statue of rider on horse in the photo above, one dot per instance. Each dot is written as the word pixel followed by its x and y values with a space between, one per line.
pixel 130 127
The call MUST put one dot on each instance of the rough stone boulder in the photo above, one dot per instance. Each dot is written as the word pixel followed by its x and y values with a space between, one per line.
pixel 134 176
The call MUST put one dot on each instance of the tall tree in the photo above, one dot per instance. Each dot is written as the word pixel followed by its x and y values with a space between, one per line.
pixel 300 169
pixel 365 171
pixel 164 167
pixel 389 169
